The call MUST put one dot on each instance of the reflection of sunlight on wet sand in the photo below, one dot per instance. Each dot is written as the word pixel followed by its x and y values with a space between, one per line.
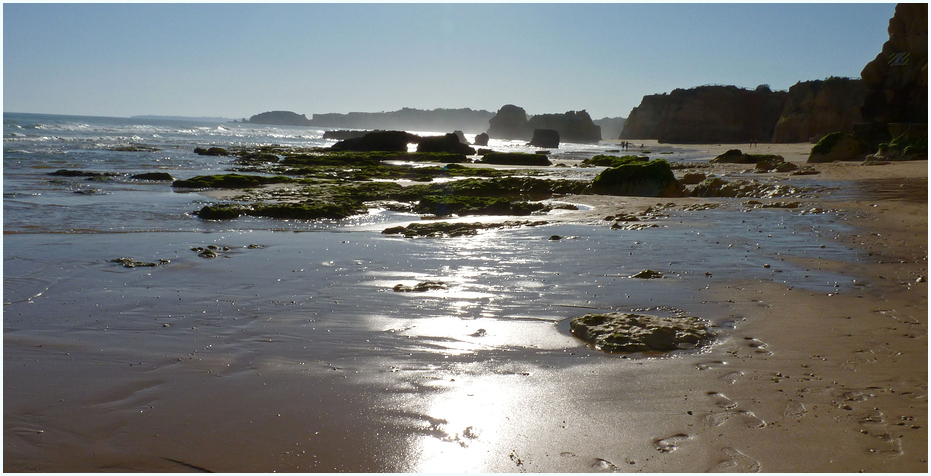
pixel 474 414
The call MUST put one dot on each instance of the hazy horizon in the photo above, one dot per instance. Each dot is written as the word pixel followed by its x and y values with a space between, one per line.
pixel 237 60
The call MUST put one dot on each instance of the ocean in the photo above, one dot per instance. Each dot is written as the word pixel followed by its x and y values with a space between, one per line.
pixel 293 336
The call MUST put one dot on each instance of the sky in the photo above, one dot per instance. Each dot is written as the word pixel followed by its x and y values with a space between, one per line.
pixel 237 60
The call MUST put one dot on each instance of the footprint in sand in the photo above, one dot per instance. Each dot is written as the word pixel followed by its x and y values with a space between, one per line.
pixel 732 377
pixel 714 364
pixel 874 424
pixel 730 411
pixel 670 443
pixel 604 466
pixel 758 345
pixel 736 462
pixel 794 409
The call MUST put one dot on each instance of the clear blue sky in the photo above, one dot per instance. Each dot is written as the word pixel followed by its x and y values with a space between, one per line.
pixel 236 60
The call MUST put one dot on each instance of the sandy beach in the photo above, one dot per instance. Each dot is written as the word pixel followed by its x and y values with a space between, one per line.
pixel 193 368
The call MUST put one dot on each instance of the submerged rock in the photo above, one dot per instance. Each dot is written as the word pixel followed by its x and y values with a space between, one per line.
pixel 81 173
pixel 154 176
pixel 213 151
pixel 628 332
pixel 647 274
pixel 132 263
pixel 421 287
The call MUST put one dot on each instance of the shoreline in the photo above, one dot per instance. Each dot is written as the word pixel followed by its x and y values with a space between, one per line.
pixel 799 380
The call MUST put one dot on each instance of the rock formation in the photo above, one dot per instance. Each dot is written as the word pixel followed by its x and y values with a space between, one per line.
pixel 547 138
pixel 379 141
pixel 481 139
pixel 449 143
pixel 707 114
pixel 280 118
pixel 509 123
pixel 638 178
pixel 816 108
pixel 627 332
pixel 897 80
pixel 573 126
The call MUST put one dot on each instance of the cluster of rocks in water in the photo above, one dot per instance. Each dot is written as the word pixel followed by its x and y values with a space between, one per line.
pixel 337 182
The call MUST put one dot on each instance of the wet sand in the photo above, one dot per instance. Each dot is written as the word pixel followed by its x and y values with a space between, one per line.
pixel 250 374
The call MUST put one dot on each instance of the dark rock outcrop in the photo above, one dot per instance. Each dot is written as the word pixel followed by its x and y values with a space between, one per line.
pixel 641 179
pixel 837 146
pixel 707 114
pixel 514 158
pixel 573 126
pixel 343 135
pixel 816 108
pixel 510 123
pixel 280 118
pixel 396 141
pixel 897 80
pixel 449 143
pixel 481 139
pixel 547 138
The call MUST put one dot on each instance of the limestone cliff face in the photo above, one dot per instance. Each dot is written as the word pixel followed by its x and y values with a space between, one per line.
pixel 645 120
pixel 707 114
pixel 817 108
pixel 897 80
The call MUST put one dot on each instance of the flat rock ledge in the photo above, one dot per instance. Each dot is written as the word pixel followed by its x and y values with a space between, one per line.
pixel 627 332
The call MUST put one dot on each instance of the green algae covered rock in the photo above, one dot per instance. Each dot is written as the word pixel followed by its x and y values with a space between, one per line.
pixel 837 146
pixel 515 158
pixel 333 208
pixel 641 179
pixel 229 181
pixel 628 332
pixel 614 161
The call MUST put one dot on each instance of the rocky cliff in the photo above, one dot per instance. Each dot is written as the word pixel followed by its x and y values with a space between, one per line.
pixel 511 122
pixel 816 108
pixel 707 114
pixel 280 118
pixel 897 80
